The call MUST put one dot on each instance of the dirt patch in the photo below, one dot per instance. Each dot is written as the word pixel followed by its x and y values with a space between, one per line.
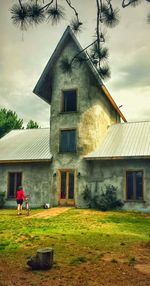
pixel 85 274
pixel 144 268
pixel 50 212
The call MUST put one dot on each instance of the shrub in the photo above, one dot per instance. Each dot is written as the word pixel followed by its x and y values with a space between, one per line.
pixel 105 200
pixel 2 199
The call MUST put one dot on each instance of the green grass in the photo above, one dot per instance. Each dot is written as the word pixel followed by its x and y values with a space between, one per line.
pixel 76 234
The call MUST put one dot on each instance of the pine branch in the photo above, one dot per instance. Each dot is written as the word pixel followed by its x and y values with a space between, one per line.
pixel 75 11
pixel 130 2
pixel 47 5
pixel 82 51
pixel 20 4
pixel 98 25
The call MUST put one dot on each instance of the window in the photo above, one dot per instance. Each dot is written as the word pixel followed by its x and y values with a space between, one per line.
pixel 14 181
pixel 134 185
pixel 69 100
pixel 67 141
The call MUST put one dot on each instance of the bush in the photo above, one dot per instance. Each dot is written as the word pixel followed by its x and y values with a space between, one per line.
pixel 2 199
pixel 106 200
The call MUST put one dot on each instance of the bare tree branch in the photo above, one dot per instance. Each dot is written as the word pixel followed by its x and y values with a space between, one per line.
pixel 75 11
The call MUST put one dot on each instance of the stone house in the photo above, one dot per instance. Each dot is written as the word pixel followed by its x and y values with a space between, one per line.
pixel 89 145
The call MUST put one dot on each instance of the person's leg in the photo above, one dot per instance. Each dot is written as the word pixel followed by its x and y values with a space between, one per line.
pixel 18 209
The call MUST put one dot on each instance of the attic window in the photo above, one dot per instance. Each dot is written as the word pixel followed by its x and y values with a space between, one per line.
pixel 134 185
pixel 69 100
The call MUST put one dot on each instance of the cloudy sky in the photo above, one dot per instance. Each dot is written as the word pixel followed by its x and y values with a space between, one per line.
pixel 24 56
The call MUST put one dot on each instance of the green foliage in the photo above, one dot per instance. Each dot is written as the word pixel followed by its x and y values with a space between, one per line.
pixel 78 260
pixel 2 199
pixel 55 13
pixel 110 17
pixel 101 53
pixel 36 14
pixel 19 16
pixel 76 25
pixel 9 120
pixel 131 261
pixel 105 200
pixel 32 124
pixel 65 65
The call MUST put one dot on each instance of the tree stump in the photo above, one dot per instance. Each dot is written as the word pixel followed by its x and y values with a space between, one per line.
pixel 42 260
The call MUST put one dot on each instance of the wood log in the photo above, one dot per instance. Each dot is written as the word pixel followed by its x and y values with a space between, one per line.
pixel 42 260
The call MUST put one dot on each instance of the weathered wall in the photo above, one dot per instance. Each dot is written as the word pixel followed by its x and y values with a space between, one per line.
pixel 94 115
pixel 113 172
pixel 35 181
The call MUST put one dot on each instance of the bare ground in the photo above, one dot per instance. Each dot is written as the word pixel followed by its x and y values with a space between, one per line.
pixel 104 272
pixel 110 269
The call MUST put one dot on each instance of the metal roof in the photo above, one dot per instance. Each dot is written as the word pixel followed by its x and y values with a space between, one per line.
pixel 43 88
pixel 124 141
pixel 25 145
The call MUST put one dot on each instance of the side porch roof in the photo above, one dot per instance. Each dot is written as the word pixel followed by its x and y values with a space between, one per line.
pixel 25 145
pixel 124 141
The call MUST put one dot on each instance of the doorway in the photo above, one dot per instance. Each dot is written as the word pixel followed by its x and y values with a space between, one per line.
pixel 67 187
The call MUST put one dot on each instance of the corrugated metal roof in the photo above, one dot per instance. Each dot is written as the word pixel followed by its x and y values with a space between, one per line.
pixel 25 145
pixel 126 140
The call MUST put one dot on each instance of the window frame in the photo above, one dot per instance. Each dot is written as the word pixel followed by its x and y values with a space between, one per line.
pixel 67 129
pixel 135 186
pixel 15 182
pixel 62 100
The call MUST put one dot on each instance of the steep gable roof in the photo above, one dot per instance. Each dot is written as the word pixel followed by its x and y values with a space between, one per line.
pixel 25 145
pixel 43 87
pixel 124 141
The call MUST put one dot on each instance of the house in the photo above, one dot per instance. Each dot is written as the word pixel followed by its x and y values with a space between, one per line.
pixel 89 145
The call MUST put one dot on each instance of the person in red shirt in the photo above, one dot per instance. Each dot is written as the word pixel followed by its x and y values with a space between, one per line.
pixel 20 196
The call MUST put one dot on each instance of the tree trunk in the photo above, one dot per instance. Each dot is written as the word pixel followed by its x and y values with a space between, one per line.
pixel 43 259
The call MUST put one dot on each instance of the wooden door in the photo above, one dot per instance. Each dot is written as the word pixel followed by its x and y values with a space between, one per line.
pixel 67 187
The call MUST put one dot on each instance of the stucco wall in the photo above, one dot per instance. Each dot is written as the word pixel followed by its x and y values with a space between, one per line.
pixel 94 115
pixel 94 112
pixel 113 172
pixel 35 181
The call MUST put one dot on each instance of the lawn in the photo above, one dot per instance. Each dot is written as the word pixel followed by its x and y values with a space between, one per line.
pixel 84 241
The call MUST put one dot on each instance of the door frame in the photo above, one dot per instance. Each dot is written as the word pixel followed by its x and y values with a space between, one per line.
pixel 64 202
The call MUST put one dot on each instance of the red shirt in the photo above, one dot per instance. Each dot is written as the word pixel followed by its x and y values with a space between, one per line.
pixel 20 195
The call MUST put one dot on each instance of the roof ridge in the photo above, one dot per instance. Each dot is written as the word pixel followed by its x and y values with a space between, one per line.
pixel 27 129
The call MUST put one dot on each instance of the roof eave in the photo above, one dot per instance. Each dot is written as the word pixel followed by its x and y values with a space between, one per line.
pixel 25 161
pixel 105 90
pixel 117 158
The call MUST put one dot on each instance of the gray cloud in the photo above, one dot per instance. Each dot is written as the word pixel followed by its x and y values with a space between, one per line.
pixel 23 60
pixel 134 71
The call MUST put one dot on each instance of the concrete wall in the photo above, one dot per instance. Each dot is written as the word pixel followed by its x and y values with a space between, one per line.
pixel 113 172
pixel 94 115
pixel 35 181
